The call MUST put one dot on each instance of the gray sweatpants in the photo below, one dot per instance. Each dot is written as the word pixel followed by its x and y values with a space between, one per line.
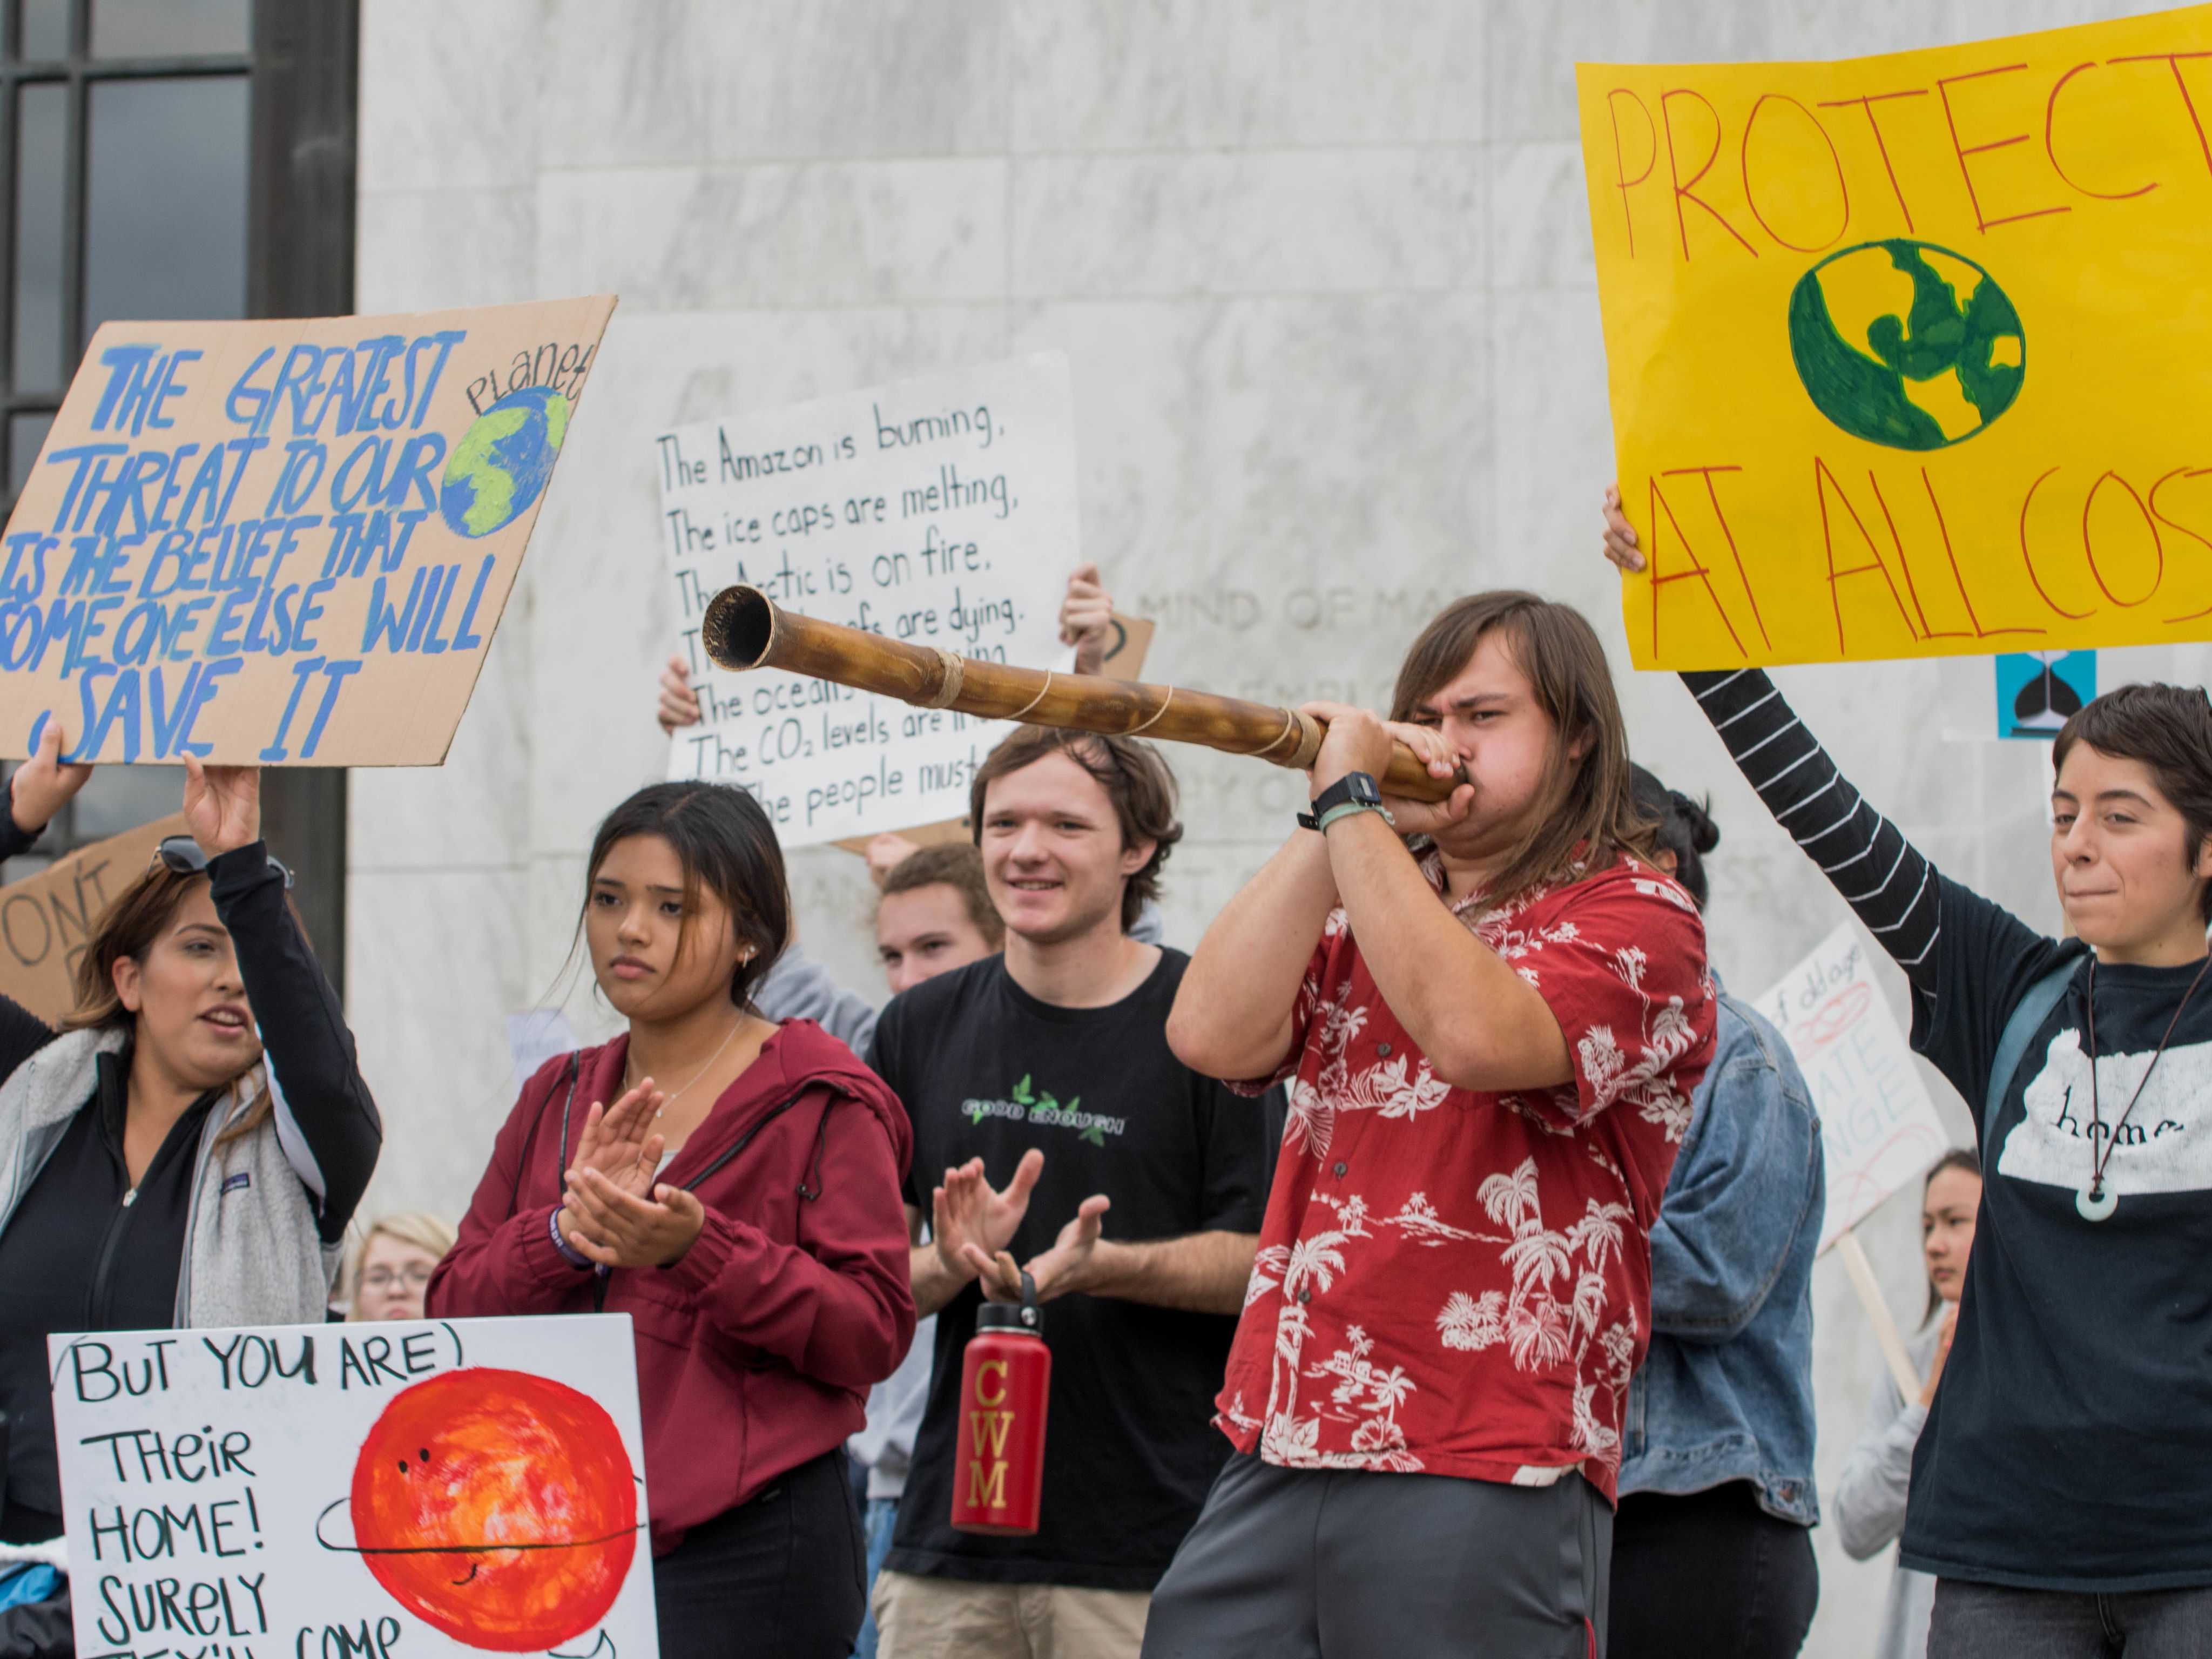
pixel 1316 1564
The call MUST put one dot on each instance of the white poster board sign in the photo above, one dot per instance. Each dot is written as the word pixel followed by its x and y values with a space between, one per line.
pixel 939 511
pixel 356 1491
pixel 1878 1127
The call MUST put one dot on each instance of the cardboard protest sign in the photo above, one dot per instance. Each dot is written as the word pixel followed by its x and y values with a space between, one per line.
pixel 1878 1129
pixel 47 920
pixel 1903 350
pixel 356 1491
pixel 941 511
pixel 283 542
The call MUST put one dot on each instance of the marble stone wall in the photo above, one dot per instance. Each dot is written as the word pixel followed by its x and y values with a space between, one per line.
pixel 1324 274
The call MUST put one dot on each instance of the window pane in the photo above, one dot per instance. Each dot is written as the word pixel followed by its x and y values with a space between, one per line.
pixel 42 227
pixel 25 433
pixel 46 30
pixel 170 28
pixel 165 203
pixel 120 797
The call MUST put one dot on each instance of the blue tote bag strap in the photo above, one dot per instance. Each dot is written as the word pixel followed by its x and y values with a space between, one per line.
pixel 2012 1047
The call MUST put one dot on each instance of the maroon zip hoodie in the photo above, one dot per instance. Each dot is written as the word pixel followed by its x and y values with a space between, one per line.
pixel 757 1350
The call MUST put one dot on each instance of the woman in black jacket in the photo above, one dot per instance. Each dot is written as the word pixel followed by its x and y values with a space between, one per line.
pixel 189 1151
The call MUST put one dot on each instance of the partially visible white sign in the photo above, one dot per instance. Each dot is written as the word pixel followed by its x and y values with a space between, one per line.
pixel 535 1037
pixel 1878 1127
pixel 940 512
pixel 395 1491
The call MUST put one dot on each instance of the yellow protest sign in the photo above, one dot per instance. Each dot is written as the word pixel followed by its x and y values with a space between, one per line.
pixel 283 542
pixel 1910 355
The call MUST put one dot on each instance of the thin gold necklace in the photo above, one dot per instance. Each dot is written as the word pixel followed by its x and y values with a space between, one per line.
pixel 669 1100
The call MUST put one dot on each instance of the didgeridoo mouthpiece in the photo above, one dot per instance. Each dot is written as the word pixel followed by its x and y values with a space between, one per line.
pixel 743 628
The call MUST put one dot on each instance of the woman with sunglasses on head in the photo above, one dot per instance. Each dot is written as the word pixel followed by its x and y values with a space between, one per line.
pixel 738 1199
pixel 189 1149
pixel 2060 1485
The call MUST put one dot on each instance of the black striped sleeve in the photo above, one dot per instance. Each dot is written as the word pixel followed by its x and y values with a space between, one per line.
pixel 1893 890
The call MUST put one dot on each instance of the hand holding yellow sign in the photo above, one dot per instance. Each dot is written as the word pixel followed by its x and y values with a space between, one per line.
pixel 1910 355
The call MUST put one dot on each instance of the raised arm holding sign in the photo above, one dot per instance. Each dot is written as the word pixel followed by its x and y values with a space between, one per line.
pixel 2093 1195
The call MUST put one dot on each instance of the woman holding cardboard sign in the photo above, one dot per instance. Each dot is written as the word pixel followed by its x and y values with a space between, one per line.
pixel 2059 1486
pixel 747 1217
pixel 190 1151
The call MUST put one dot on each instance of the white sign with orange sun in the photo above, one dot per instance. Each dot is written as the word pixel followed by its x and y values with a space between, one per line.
pixel 356 1491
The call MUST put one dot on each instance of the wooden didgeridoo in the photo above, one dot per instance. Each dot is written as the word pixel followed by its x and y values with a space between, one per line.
pixel 744 628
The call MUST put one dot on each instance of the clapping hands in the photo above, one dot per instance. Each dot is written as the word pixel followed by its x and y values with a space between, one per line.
pixel 1058 1271
pixel 974 1223
pixel 613 1210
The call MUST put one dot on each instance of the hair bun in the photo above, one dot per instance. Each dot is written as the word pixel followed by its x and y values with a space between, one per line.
pixel 1705 834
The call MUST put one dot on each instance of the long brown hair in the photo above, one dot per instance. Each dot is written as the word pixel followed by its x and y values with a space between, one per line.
pixel 139 917
pixel 1587 812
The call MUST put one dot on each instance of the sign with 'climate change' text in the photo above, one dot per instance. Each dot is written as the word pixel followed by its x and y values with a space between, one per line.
pixel 1878 1128
pixel 940 512
pixel 283 542
pixel 1907 353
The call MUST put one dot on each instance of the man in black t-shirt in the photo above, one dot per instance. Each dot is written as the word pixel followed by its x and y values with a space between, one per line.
pixel 1131 1188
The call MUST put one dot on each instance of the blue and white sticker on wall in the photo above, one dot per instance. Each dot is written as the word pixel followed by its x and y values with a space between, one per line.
pixel 2037 690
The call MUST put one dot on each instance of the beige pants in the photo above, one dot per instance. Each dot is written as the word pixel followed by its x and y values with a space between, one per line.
pixel 950 1619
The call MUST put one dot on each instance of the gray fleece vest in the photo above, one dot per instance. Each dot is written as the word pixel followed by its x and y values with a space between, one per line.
pixel 252 1254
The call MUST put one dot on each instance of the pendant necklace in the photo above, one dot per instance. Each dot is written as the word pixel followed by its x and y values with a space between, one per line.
pixel 2093 1201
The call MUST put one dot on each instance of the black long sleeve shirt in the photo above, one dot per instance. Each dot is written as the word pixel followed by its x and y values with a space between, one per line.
pixel 84 1251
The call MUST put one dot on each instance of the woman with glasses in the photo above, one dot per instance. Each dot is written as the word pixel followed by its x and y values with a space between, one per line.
pixel 391 1266
pixel 188 1151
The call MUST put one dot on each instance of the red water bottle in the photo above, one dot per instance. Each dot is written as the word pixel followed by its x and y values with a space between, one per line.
pixel 1006 1377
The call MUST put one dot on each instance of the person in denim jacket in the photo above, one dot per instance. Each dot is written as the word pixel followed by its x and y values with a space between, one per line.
pixel 1711 1545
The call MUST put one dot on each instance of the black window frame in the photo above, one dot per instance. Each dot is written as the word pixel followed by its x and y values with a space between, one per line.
pixel 302 73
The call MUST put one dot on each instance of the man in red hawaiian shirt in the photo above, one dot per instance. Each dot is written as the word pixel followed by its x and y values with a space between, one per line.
pixel 1491 1044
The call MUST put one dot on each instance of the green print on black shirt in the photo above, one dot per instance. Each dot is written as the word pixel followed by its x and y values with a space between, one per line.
pixel 1028 1107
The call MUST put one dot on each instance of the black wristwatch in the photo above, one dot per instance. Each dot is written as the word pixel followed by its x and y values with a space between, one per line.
pixel 1356 789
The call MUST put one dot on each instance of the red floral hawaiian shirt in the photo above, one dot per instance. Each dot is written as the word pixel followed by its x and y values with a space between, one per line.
pixel 1461 1283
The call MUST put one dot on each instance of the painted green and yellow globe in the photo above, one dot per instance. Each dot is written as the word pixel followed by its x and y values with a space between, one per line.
pixel 1906 344
pixel 503 460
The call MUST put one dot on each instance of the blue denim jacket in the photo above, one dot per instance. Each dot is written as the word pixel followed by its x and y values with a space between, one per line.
pixel 1726 1393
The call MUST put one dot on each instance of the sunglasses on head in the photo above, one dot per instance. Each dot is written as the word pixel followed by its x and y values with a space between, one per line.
pixel 184 855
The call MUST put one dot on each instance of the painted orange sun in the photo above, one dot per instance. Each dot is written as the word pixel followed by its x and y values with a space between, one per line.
pixel 500 1507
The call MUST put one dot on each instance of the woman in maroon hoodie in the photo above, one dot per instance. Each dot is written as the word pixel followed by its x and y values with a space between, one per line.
pixel 739 1200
